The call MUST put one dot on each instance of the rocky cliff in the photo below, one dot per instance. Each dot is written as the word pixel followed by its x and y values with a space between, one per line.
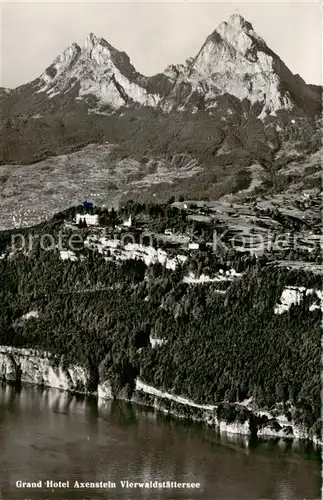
pixel 233 61
pixel 41 368
pixel 32 367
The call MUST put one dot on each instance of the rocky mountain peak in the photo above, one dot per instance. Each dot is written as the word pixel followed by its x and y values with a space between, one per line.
pixel 233 60
pixel 240 35
pixel 98 73
pixel 233 47
pixel 90 41
pixel 239 22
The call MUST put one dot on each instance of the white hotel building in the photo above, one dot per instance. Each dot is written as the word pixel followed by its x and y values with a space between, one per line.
pixel 91 220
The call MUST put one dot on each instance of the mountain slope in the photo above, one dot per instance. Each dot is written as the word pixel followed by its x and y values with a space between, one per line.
pixel 236 97
pixel 100 71
pixel 233 60
pixel 4 93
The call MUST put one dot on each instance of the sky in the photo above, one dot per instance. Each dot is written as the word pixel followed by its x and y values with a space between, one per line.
pixel 154 34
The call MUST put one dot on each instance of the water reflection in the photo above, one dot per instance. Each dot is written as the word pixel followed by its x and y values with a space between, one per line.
pixel 48 434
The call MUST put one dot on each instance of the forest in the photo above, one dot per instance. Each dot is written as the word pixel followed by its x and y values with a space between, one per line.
pixel 220 347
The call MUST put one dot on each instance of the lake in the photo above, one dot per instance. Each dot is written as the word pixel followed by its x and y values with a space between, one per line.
pixel 48 435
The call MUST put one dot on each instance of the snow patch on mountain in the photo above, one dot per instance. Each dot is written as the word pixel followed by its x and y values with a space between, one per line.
pixel 156 342
pixel 68 255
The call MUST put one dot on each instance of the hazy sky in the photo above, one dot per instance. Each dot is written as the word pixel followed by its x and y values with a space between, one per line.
pixel 154 34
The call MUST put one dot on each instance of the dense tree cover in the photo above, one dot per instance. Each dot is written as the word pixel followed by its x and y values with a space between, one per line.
pixel 236 347
pixel 220 347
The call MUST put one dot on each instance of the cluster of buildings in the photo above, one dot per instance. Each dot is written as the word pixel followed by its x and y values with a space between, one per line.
pixel 93 220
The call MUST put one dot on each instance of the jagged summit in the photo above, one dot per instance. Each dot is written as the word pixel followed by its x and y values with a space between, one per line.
pixel 233 60
pixel 92 41
pixel 239 21
pixel 96 70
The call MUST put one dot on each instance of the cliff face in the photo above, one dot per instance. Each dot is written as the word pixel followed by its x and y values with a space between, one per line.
pixel 41 368
pixel 30 366
pixel 233 60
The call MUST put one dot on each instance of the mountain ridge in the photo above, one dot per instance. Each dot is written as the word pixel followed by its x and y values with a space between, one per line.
pixel 233 60
pixel 225 106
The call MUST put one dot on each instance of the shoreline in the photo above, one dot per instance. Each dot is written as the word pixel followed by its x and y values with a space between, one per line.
pixel 33 367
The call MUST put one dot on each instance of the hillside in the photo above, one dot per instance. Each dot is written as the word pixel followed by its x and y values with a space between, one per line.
pixel 235 94
pixel 211 341
pixel 199 261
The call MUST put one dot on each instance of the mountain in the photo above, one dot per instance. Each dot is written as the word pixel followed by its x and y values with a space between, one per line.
pixel 232 105
pixel 233 134
pixel 233 60
pixel 98 70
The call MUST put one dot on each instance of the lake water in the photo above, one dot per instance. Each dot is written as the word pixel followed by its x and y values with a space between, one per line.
pixel 48 435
